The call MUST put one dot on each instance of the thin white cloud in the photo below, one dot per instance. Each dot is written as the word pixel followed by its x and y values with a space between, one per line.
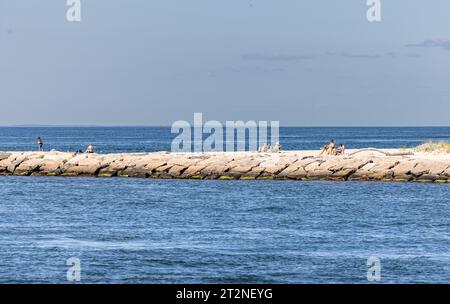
pixel 437 43
pixel 276 58
pixel 361 55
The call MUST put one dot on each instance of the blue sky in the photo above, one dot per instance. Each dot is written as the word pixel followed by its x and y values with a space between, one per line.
pixel 305 63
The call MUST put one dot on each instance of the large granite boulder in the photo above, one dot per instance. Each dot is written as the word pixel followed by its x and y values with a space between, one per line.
pixel 82 165
pixel 28 166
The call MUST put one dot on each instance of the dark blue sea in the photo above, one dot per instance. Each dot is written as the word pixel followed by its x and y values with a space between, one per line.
pixel 127 230
pixel 148 139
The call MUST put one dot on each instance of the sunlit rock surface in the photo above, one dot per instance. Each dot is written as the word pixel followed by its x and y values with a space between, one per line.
pixel 381 165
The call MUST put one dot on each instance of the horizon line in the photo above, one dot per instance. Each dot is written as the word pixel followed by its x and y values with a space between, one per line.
pixel 169 126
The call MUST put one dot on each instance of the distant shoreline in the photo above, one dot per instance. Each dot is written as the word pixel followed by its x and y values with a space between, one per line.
pixel 169 126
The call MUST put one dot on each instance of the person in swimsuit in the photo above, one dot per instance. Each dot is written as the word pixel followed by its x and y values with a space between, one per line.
pixel 40 144
pixel 328 149
pixel 339 150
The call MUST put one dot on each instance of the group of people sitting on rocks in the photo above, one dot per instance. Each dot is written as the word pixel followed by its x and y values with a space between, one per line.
pixel 40 143
pixel 331 149
pixel 268 148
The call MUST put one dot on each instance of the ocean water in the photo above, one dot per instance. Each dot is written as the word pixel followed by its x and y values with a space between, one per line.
pixel 127 230
pixel 172 231
pixel 148 139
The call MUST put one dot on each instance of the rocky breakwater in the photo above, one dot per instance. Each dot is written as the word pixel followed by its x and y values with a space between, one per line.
pixel 384 165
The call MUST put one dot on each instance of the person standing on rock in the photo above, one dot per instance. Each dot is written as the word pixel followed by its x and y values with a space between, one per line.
pixel 40 144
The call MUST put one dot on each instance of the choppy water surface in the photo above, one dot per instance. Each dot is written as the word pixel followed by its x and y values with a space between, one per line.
pixel 170 231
